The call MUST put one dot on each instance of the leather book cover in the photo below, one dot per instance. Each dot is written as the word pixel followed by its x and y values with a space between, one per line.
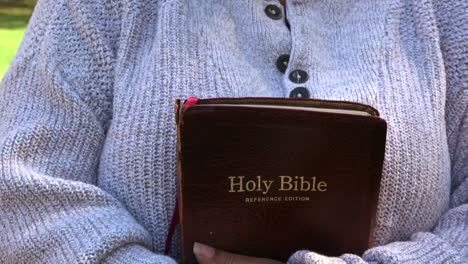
pixel 266 177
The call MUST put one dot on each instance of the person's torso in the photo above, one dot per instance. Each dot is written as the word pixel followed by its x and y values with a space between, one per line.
pixel 382 53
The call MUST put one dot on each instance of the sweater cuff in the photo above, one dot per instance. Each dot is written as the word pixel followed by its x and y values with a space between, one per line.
pixel 423 248
pixel 309 257
pixel 134 253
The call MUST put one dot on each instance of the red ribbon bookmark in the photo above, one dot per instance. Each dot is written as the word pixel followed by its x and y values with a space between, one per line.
pixel 175 215
pixel 191 101
pixel 172 227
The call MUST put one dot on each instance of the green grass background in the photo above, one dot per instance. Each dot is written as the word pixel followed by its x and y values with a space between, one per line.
pixel 14 18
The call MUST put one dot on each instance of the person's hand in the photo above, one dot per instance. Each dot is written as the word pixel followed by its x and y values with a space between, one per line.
pixel 208 255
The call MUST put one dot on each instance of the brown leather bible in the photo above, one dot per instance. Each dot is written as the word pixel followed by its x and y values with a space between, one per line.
pixel 266 177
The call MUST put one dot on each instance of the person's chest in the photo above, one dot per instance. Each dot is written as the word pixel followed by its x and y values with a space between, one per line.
pixel 374 52
pixel 256 47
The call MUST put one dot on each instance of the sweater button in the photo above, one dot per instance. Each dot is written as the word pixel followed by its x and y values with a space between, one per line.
pixel 299 92
pixel 298 76
pixel 282 62
pixel 273 12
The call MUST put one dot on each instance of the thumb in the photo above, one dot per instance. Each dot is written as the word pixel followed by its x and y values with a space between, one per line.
pixel 209 255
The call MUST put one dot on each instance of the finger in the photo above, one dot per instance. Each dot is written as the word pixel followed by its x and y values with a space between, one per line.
pixel 208 255
pixel 223 257
pixel 203 253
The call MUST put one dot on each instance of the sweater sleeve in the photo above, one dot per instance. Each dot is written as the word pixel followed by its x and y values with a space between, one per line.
pixel 448 241
pixel 55 104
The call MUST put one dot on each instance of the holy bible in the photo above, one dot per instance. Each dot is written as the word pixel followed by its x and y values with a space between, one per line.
pixel 266 177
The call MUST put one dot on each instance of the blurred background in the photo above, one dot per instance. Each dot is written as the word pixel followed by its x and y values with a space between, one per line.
pixel 14 17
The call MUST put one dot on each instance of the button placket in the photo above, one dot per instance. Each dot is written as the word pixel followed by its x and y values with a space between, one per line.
pixel 297 76
pixel 297 73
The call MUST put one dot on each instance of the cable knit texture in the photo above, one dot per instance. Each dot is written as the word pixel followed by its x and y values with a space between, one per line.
pixel 87 132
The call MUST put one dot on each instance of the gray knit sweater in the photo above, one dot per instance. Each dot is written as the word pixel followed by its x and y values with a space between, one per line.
pixel 87 133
